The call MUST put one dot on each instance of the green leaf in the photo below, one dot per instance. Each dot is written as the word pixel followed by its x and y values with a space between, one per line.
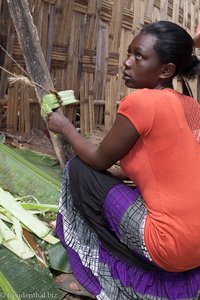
pixel 11 241
pixel 26 279
pixel 23 178
pixel 47 163
pixel 39 207
pixel 38 227
pixel 58 258
pixel 7 288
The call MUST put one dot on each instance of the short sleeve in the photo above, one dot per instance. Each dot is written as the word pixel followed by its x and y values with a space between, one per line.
pixel 138 107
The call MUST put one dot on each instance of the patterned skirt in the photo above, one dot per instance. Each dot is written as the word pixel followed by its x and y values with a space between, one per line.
pixel 101 224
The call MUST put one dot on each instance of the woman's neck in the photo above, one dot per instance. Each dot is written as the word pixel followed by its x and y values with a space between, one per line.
pixel 164 85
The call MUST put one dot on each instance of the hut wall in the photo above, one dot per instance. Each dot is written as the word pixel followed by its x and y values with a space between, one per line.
pixel 84 43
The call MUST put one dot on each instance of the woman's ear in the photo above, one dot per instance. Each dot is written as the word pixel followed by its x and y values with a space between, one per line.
pixel 168 70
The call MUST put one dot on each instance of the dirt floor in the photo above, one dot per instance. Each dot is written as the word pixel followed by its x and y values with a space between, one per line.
pixel 40 141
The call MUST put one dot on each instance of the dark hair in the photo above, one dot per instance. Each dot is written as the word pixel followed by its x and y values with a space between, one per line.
pixel 174 45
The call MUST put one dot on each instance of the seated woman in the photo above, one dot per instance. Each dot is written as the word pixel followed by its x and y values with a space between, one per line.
pixel 138 243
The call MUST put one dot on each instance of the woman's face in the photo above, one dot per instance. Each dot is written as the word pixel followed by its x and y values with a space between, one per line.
pixel 142 66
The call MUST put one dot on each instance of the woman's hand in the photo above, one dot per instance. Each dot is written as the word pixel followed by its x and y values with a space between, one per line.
pixel 57 122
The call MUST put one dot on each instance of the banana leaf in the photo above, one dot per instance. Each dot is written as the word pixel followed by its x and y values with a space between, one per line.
pixel 25 280
pixel 22 178
pixel 6 289
pixel 58 258
pixel 45 162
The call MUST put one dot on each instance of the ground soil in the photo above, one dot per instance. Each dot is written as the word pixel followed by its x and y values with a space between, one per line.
pixel 40 141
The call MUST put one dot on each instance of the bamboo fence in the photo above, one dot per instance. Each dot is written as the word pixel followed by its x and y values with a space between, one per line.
pixel 84 43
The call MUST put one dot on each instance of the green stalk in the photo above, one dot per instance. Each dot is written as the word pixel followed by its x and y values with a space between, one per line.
pixel 1 238
pixel 35 225
pixel 39 207
pixel 7 288
pixel 14 243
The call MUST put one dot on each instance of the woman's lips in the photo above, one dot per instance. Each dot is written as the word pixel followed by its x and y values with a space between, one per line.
pixel 126 76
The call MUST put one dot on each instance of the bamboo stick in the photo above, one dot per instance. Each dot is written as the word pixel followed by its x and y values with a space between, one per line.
pixel 35 62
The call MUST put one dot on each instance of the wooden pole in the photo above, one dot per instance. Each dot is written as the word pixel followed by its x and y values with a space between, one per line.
pixel 35 62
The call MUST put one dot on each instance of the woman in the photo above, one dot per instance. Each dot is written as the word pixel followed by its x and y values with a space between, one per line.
pixel 138 243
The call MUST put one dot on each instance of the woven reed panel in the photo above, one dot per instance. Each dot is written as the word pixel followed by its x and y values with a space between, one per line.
pixel 85 43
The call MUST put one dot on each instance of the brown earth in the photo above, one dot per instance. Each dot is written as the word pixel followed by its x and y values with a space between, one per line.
pixel 40 141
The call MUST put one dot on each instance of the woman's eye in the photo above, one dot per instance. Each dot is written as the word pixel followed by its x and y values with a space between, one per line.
pixel 138 56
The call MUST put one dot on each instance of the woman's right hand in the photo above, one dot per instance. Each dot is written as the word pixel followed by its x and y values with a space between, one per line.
pixel 57 122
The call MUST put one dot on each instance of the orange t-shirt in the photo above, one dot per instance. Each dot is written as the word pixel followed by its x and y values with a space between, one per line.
pixel 165 165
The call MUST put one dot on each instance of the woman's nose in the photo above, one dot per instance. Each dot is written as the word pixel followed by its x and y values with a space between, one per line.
pixel 127 63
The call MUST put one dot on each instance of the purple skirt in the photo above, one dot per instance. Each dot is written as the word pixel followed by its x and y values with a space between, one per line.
pixel 101 224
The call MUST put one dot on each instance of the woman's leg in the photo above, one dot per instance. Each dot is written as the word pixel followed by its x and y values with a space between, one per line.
pixel 95 208
pixel 115 211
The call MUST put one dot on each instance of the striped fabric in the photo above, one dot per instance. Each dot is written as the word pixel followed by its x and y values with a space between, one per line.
pixel 103 274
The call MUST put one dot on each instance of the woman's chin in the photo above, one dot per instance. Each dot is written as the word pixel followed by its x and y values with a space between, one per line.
pixel 129 84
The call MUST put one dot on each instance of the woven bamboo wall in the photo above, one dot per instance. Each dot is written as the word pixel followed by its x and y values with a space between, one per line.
pixel 84 43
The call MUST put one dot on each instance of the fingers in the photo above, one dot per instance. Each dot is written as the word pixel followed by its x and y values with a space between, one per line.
pixel 58 110
pixel 48 116
pixel 56 121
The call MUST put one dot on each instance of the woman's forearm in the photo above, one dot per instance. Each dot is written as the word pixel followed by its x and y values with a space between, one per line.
pixel 81 146
pixel 86 151
pixel 115 145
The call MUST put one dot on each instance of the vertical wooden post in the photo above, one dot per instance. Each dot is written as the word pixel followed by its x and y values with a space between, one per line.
pixel 34 58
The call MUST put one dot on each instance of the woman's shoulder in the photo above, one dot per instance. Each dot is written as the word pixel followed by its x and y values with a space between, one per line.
pixel 150 101
pixel 139 109
pixel 143 96
pixel 145 92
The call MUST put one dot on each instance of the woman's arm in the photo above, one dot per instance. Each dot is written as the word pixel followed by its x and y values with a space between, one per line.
pixel 116 144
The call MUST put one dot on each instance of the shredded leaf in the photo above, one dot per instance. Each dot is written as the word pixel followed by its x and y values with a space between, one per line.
pixel 50 101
